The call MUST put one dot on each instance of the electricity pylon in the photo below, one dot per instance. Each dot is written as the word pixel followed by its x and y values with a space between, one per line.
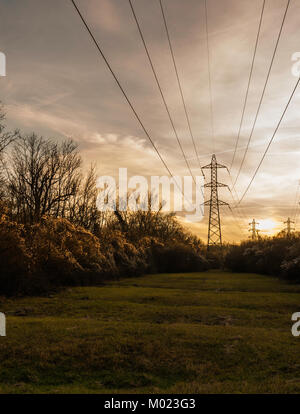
pixel 254 230
pixel 289 227
pixel 214 226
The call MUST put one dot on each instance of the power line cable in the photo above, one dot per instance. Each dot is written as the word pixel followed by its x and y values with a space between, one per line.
pixel 296 216
pixel 236 210
pixel 263 92
pixel 270 142
pixel 209 81
pixel 123 91
pixel 179 84
pixel 160 89
pixel 296 203
pixel 236 219
pixel 248 85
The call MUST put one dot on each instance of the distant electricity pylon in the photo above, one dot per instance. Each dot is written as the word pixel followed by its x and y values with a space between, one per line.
pixel 254 230
pixel 214 225
pixel 288 230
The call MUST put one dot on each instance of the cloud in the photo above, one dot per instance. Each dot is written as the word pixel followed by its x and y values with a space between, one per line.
pixel 58 86
pixel 104 14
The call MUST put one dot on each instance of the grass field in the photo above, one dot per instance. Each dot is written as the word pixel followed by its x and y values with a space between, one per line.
pixel 179 333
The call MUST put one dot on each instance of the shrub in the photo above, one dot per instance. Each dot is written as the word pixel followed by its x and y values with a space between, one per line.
pixel 15 258
pixel 278 256
pixel 178 257
pixel 54 252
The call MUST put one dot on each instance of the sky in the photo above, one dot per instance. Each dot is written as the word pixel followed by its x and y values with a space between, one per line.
pixel 58 86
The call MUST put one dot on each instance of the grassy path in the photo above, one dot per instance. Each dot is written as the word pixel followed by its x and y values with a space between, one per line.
pixel 197 333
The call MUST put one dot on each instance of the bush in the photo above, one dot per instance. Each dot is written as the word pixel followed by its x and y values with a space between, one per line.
pixel 36 258
pixel 128 260
pixel 56 236
pixel 277 256
pixel 178 258
pixel 15 258
pixel 39 257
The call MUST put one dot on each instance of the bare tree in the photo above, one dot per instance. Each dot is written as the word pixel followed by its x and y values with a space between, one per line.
pixel 82 207
pixel 6 138
pixel 147 221
pixel 42 177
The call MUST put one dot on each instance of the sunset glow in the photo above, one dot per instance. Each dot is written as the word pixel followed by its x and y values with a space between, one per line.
pixel 80 99
pixel 269 226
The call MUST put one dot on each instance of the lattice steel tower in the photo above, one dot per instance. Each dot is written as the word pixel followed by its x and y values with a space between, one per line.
pixel 254 230
pixel 214 224
pixel 289 227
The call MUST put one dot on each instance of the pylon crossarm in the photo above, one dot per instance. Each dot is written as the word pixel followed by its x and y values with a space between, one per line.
pixel 209 166
pixel 220 166
pixel 215 185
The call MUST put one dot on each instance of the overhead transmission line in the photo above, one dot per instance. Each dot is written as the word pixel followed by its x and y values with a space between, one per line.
pixel 296 215
pixel 249 82
pixel 236 219
pixel 160 90
pixel 179 84
pixel 263 92
pixel 270 142
pixel 209 80
pixel 236 212
pixel 236 208
pixel 295 207
pixel 122 90
pixel 232 215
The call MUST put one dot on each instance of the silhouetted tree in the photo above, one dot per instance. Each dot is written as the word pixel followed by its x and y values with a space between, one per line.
pixel 6 138
pixel 82 206
pixel 42 177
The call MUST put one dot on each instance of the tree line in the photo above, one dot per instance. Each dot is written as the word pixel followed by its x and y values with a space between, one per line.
pixel 52 234
pixel 277 256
